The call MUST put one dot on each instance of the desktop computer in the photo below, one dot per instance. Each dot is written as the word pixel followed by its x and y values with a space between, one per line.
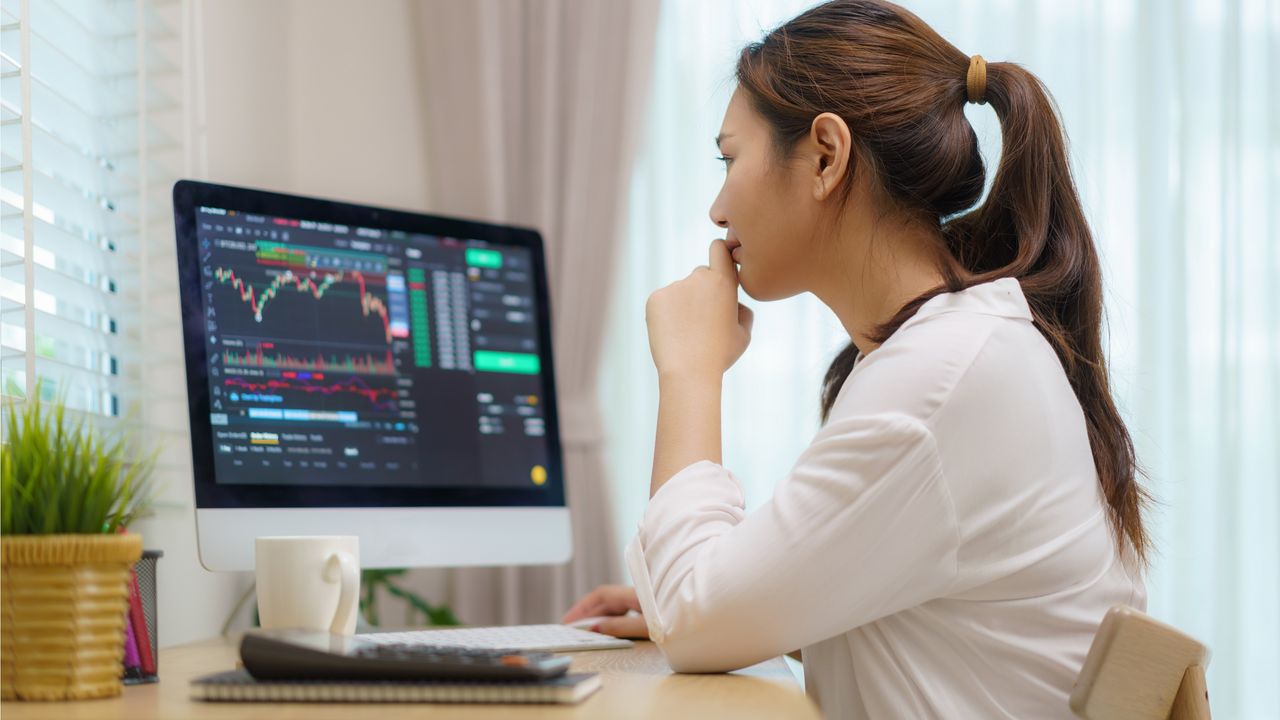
pixel 355 370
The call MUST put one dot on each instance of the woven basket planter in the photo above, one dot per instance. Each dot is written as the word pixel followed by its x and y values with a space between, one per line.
pixel 64 599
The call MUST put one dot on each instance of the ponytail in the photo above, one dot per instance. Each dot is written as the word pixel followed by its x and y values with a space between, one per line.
pixel 1032 227
pixel 901 88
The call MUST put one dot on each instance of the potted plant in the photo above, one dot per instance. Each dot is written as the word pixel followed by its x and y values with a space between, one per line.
pixel 67 491
pixel 372 580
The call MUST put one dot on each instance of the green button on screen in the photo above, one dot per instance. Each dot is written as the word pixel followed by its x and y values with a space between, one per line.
pixel 522 363
pixel 484 258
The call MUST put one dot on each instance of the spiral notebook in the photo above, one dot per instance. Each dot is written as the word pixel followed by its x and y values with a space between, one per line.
pixel 240 686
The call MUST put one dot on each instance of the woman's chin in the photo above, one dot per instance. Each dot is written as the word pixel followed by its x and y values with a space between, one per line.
pixel 750 287
pixel 762 292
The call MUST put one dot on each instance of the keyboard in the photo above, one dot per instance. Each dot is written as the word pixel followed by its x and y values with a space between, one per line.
pixel 528 638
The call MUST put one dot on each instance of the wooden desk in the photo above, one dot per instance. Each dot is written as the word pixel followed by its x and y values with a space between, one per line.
pixel 637 684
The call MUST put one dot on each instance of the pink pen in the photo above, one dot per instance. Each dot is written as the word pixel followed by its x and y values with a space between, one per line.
pixel 131 659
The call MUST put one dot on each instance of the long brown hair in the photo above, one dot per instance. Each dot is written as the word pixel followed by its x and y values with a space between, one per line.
pixel 901 89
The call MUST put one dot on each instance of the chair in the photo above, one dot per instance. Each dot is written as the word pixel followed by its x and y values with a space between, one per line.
pixel 1138 668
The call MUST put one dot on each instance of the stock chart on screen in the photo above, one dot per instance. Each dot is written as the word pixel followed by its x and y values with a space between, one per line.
pixel 337 353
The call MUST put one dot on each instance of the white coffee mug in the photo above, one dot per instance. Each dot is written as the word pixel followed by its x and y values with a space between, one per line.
pixel 309 582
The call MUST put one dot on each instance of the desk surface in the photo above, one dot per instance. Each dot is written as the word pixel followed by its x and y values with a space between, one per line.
pixel 638 683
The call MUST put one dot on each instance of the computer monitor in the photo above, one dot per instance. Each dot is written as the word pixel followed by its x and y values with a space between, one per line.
pixel 355 370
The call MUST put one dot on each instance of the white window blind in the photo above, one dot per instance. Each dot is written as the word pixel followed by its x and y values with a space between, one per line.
pixel 92 111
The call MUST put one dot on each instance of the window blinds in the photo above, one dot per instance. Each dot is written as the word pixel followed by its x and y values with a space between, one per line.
pixel 91 101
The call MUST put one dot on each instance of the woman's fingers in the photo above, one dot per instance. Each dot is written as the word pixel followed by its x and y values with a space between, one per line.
pixel 604 600
pixel 625 626
pixel 586 607
pixel 611 600
pixel 720 259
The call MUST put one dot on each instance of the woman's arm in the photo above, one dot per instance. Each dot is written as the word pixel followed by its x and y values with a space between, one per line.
pixel 688 424
pixel 863 527
pixel 697 330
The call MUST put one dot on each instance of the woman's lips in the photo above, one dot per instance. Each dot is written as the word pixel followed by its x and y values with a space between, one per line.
pixel 735 249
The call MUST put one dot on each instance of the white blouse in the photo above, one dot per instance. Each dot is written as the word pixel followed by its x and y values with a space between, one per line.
pixel 941 549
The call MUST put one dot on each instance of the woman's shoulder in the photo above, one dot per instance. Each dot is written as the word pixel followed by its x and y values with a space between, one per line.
pixel 916 371
pixel 956 339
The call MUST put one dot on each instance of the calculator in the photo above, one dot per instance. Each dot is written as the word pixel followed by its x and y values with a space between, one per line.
pixel 311 655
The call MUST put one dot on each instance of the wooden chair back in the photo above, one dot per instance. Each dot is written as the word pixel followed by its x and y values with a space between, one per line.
pixel 1139 668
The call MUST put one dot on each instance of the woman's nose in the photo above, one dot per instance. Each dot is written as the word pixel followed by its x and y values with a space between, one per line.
pixel 717 214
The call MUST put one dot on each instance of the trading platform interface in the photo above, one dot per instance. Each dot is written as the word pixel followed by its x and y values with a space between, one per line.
pixel 341 355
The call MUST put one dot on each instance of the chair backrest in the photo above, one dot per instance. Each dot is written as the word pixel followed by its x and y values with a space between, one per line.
pixel 1139 668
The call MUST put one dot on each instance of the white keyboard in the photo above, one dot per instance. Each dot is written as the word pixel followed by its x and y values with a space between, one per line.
pixel 546 638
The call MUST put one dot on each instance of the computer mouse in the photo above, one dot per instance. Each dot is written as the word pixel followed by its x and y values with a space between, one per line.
pixel 587 623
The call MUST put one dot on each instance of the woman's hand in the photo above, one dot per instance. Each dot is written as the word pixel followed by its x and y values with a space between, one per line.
pixel 613 600
pixel 696 325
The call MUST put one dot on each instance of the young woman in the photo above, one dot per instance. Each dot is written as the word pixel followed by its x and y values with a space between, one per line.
pixel 970 508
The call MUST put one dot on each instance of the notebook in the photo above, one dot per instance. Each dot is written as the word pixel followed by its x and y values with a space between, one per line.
pixel 240 686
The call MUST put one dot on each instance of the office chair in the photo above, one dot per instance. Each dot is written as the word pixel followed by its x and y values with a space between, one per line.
pixel 1138 668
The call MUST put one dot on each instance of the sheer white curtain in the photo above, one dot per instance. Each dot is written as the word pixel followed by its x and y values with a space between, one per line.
pixel 1173 111
pixel 531 114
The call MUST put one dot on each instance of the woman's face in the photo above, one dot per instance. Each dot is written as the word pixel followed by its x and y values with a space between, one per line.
pixel 764 206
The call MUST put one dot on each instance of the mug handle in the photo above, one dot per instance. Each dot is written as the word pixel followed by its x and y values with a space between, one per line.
pixel 342 567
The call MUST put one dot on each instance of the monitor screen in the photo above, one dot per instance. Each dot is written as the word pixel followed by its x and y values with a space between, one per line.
pixel 341 355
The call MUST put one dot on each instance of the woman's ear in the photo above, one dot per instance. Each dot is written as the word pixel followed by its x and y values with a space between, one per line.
pixel 831 154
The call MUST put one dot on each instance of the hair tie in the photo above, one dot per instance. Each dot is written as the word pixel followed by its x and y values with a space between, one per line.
pixel 976 80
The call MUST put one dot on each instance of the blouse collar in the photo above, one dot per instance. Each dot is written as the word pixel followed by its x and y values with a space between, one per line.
pixel 1002 298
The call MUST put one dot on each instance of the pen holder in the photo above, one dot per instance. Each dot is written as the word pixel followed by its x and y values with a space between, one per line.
pixel 142 643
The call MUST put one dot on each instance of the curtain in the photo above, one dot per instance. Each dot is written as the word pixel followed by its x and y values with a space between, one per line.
pixel 1173 113
pixel 531 109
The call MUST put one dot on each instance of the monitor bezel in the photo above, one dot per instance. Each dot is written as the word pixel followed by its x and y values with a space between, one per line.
pixel 188 195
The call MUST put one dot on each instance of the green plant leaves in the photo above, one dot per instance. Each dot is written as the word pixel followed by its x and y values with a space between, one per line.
pixel 371 580
pixel 62 477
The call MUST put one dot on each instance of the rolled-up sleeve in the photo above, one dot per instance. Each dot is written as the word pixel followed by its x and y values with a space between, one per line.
pixel 862 527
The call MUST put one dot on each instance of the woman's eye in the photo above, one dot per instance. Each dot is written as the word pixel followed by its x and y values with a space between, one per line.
pixel 725 160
